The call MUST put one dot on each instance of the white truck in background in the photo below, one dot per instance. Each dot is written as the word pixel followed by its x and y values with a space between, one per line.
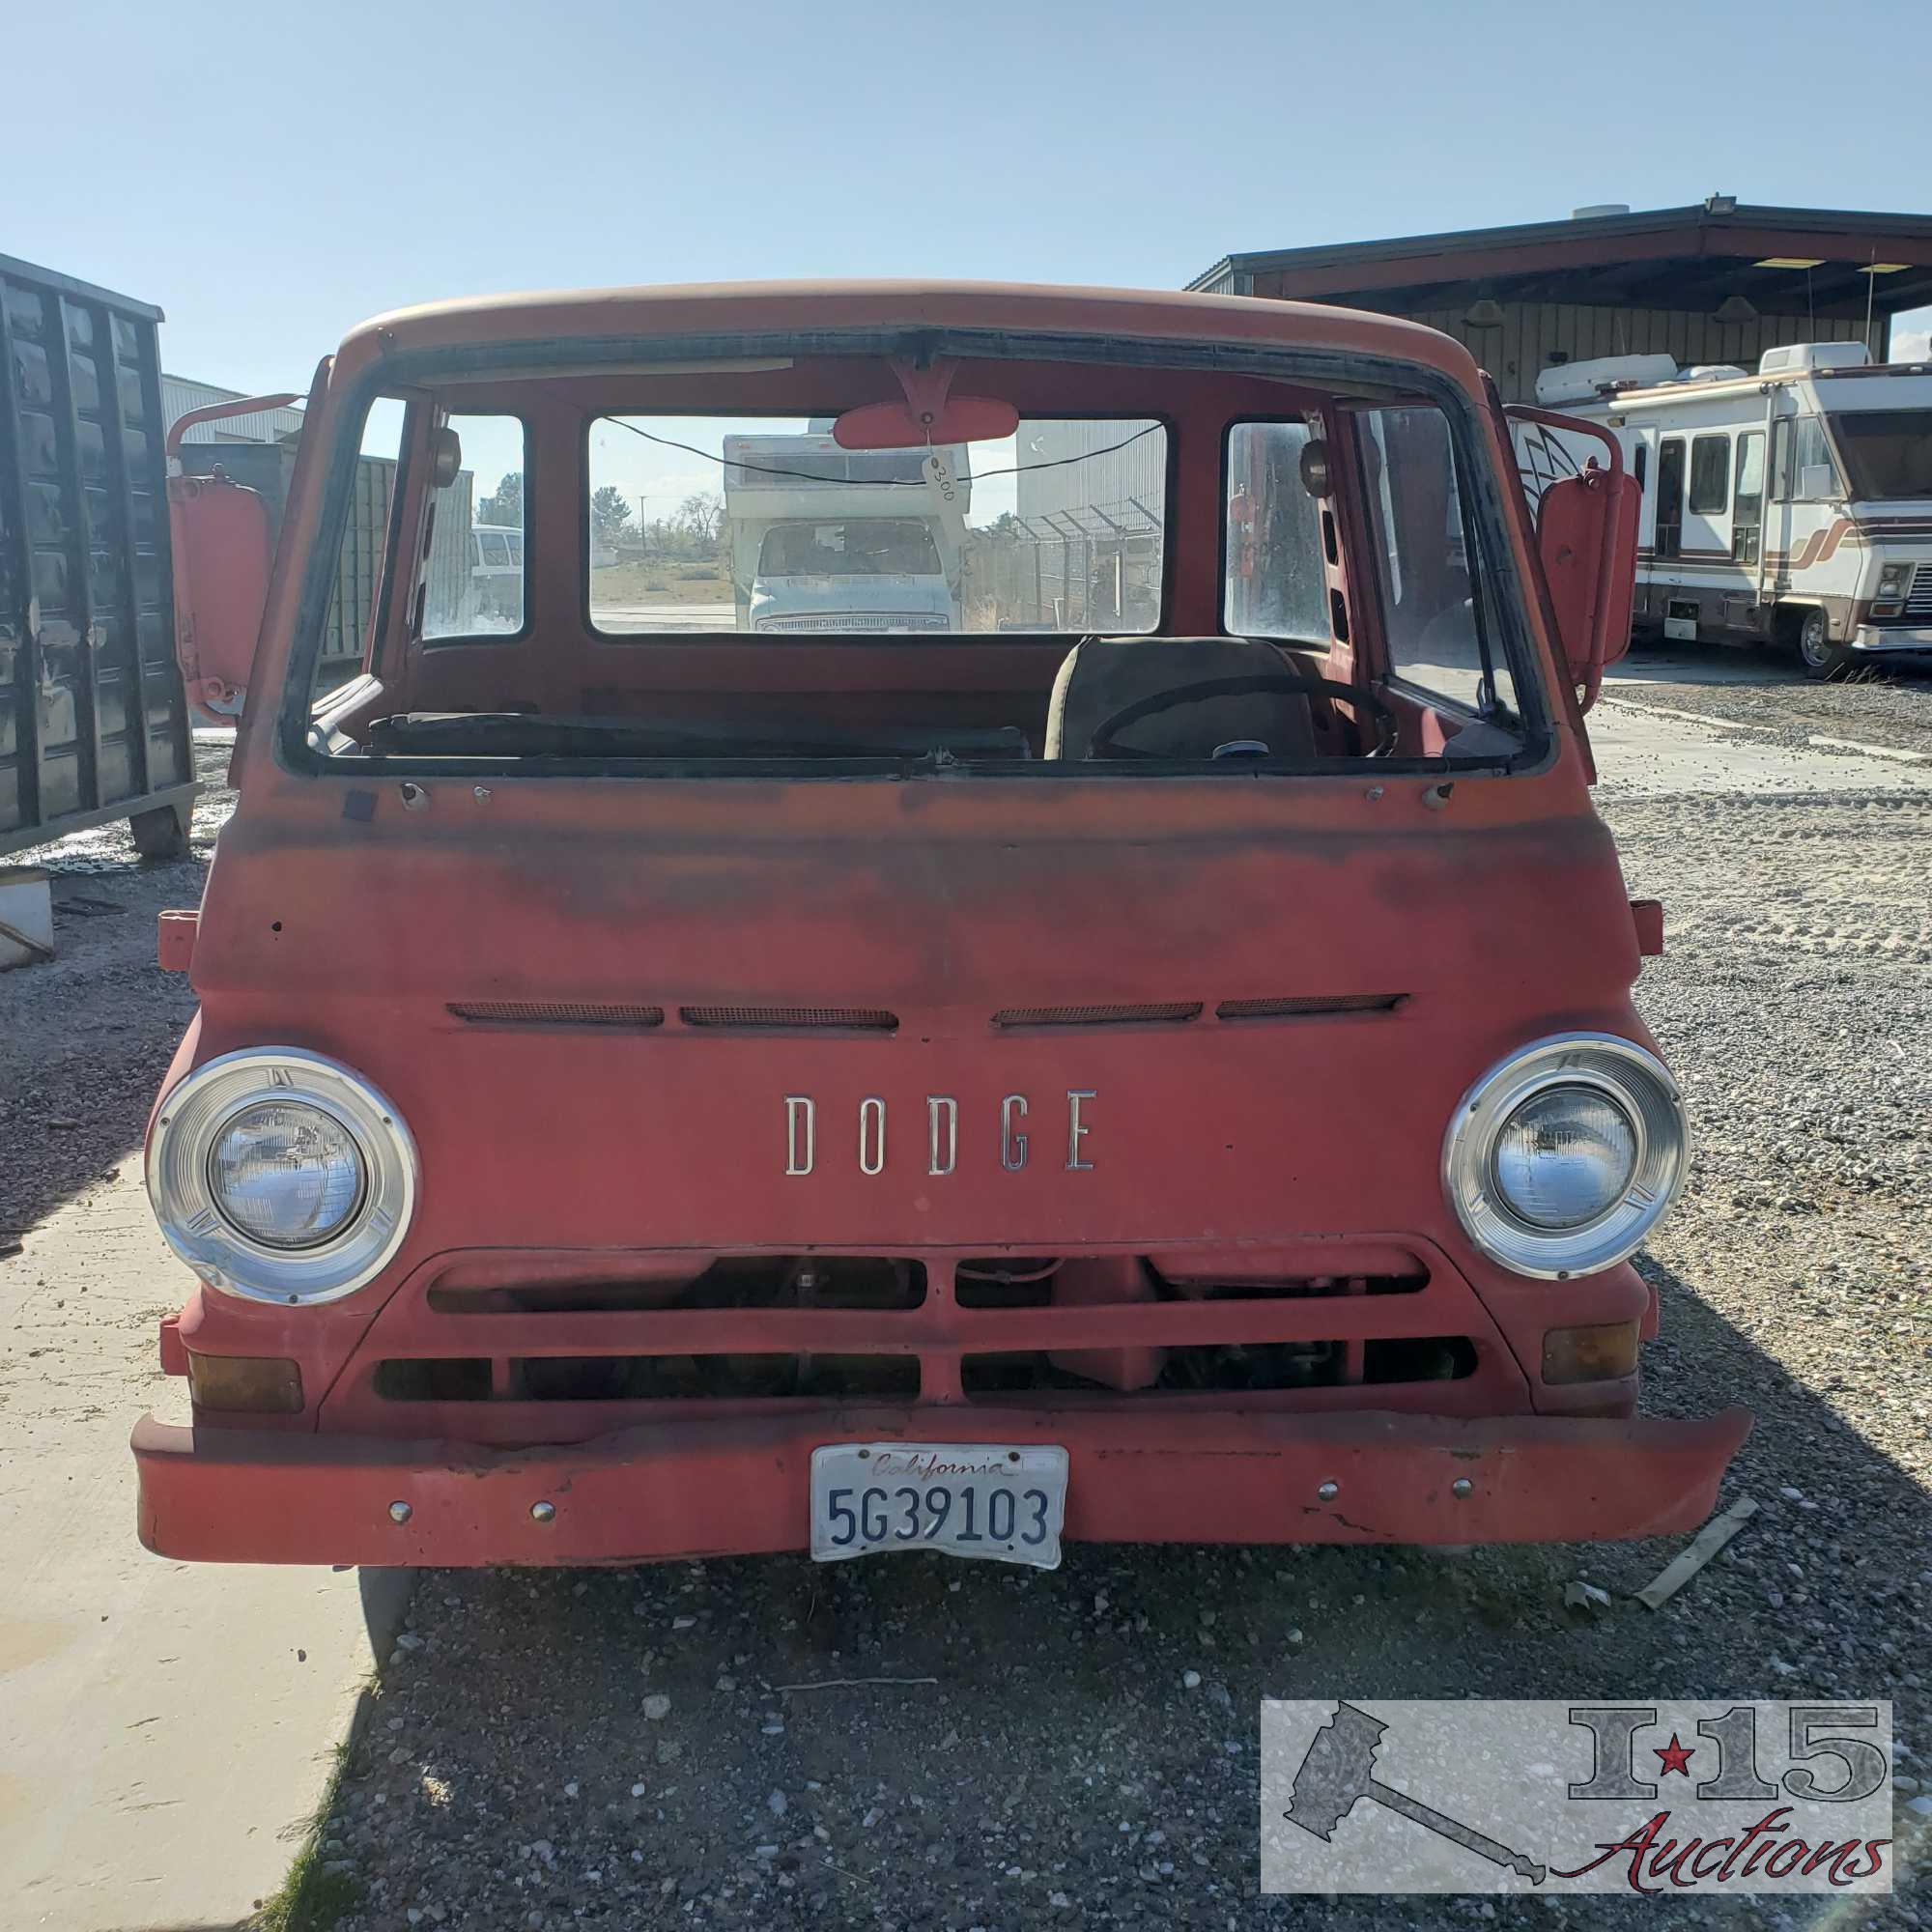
pixel 1793 505
pixel 829 540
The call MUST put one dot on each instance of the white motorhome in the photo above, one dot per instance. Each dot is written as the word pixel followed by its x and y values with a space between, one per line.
pixel 1793 505
pixel 828 539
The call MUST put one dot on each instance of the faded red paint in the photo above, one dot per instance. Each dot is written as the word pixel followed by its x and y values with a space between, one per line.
pixel 1292 1152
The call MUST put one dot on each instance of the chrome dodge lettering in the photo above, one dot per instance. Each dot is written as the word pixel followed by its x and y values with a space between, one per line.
pixel 942 1133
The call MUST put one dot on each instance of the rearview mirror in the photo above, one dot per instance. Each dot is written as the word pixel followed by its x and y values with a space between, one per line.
pixel 1817 479
pixel 930 415
pixel 893 426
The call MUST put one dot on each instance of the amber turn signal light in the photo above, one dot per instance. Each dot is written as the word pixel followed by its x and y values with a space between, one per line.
pixel 245 1384
pixel 1595 1355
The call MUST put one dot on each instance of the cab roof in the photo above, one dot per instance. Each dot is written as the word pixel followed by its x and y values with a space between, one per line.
pixel 1023 308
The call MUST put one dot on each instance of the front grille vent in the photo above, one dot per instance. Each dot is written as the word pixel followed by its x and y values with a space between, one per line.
pixel 1919 598
pixel 556 1013
pixel 1309 1003
pixel 1157 1013
pixel 792 1019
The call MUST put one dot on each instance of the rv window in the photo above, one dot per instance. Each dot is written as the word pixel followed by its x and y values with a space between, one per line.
pixel 1435 614
pixel 1812 450
pixel 1889 452
pixel 474 584
pixel 1710 474
pixel 1640 465
pixel 1274 585
pixel 1747 504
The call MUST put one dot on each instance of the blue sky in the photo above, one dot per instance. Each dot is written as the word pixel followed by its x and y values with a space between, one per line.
pixel 270 174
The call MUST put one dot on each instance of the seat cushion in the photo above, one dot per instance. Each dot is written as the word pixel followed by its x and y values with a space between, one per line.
pixel 1101 676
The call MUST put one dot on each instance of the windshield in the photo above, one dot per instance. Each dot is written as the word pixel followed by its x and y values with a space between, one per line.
pixel 1888 452
pixel 1060 528
pixel 897 547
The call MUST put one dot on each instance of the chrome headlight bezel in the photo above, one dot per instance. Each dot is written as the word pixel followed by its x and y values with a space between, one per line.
pixel 192 1119
pixel 1624 1073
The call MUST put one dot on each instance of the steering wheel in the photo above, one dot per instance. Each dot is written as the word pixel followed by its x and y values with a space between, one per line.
pixel 1104 744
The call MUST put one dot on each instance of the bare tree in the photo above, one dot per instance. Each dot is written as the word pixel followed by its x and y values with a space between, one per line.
pixel 701 517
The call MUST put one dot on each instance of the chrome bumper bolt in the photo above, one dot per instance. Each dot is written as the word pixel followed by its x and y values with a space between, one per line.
pixel 543 1512
pixel 1461 1486
pixel 1328 1491
pixel 400 1512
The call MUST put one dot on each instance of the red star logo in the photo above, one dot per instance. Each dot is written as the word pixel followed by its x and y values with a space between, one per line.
pixel 1676 1757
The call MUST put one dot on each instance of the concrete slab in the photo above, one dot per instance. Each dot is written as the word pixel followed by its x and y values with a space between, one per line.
pixel 1644 752
pixel 166 1731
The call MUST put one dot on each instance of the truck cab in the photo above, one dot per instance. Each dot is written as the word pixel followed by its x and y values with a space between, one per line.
pixel 1152 1057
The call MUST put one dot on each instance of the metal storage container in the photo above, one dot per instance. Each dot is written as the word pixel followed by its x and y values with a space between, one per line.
pixel 93 721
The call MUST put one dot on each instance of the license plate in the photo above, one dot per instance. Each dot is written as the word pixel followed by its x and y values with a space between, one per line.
pixel 981 1499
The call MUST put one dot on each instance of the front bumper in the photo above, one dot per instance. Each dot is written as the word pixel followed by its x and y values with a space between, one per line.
pixel 738 1484
pixel 1874 639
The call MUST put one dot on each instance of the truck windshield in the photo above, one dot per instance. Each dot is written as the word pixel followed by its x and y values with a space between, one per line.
pixel 1888 453
pixel 702 524
pixel 879 546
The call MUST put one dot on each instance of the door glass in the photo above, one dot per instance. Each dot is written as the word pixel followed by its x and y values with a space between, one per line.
pixel 364 558
pixel 1440 632
pixel 474 585
pixel 1747 501
pixel 1274 585
pixel 1671 497
pixel 1710 474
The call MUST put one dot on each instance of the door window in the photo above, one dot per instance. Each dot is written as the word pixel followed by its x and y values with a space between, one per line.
pixel 1814 470
pixel 1710 475
pixel 1273 585
pixel 1435 618
pixel 1669 496
pixel 474 577
pixel 1748 500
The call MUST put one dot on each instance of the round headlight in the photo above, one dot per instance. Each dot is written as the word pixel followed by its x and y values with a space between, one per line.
pixel 1561 1158
pixel 286 1173
pixel 278 1175
pixel 1564 1157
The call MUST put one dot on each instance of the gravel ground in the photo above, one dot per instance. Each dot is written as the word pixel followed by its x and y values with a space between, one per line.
pixel 629 1747
pixel 1873 704
pixel 87 1035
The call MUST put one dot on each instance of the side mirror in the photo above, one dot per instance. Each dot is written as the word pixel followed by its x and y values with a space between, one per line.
pixel 1586 525
pixel 1816 480
pixel 1586 539
pixel 219 530
pixel 219 533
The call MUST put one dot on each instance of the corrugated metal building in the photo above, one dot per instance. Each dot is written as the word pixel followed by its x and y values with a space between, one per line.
pixel 1718 282
pixel 1087 547
pixel 182 393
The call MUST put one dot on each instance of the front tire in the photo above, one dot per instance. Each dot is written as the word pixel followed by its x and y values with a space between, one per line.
pixel 1816 652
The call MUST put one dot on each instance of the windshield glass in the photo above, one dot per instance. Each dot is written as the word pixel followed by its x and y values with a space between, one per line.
pixel 879 546
pixel 1888 452
pixel 704 524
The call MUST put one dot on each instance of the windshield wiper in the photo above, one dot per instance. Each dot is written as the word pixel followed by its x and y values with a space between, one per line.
pixel 514 734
